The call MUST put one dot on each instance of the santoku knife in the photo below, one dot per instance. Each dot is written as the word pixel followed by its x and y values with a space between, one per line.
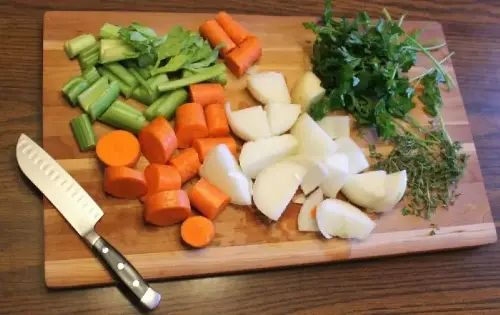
pixel 81 211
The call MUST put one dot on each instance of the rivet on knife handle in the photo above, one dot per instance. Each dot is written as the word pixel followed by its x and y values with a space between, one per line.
pixel 123 271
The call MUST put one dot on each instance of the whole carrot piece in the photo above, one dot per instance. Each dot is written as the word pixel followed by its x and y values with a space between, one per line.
pixel 124 182
pixel 204 146
pixel 243 56
pixel 190 124
pixel 158 141
pixel 118 148
pixel 233 29
pixel 208 199
pixel 216 118
pixel 207 93
pixel 197 231
pixel 187 164
pixel 213 32
pixel 167 208
pixel 160 178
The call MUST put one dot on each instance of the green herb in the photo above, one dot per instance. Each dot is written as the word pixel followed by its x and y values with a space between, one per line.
pixel 361 65
pixel 434 166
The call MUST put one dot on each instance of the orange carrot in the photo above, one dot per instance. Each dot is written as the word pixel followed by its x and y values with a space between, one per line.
pixel 197 231
pixel 167 208
pixel 160 178
pixel 233 29
pixel 211 31
pixel 207 93
pixel 158 141
pixel 216 120
pixel 208 199
pixel 187 163
pixel 242 57
pixel 118 148
pixel 190 124
pixel 124 182
pixel 204 146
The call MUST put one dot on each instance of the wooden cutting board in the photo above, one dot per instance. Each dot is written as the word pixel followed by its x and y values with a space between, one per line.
pixel 245 240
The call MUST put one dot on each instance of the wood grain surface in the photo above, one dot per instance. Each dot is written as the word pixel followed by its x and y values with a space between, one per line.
pixel 244 240
pixel 457 282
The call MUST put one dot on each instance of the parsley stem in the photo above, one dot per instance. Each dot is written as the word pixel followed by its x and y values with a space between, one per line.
pixel 433 47
pixel 448 79
pixel 420 76
pixel 401 19
pixel 387 14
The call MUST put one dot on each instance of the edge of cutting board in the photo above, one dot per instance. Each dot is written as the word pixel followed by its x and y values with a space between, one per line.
pixel 90 272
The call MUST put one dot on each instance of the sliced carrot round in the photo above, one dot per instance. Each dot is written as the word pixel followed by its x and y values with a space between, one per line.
pixel 158 141
pixel 197 231
pixel 124 182
pixel 167 207
pixel 118 148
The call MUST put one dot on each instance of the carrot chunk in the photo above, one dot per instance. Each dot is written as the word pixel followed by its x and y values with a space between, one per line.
pixel 213 32
pixel 208 199
pixel 158 141
pixel 233 29
pixel 207 93
pixel 160 178
pixel 124 182
pixel 204 146
pixel 245 55
pixel 187 164
pixel 216 120
pixel 190 124
pixel 167 208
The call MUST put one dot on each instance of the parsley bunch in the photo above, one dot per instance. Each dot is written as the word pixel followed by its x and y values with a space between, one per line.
pixel 362 66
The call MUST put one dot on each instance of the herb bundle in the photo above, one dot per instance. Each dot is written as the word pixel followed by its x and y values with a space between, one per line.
pixel 362 66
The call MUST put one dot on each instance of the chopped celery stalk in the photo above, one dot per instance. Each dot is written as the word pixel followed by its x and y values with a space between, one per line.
pixel 104 101
pixel 172 101
pixel 113 50
pixel 121 72
pixel 74 81
pixel 140 94
pixel 92 50
pixel 123 116
pixel 83 132
pixel 124 88
pixel 140 79
pixel 129 63
pixel 109 31
pixel 150 112
pixel 91 75
pixel 210 73
pixel 88 62
pixel 186 73
pixel 75 91
pixel 221 79
pixel 112 43
pixel 78 44
pixel 90 95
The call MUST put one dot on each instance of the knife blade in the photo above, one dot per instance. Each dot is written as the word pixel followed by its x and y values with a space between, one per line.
pixel 82 213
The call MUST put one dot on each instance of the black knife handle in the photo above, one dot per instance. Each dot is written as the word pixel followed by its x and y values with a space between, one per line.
pixel 123 271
